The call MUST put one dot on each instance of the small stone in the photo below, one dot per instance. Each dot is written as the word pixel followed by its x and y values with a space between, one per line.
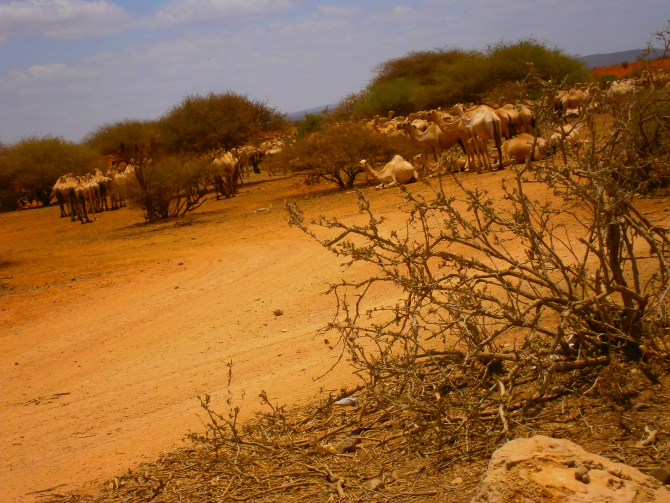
pixel 666 209
pixel 457 481
pixel 277 312
pixel 176 287
pixel 586 478
pixel 661 474
pixel 375 484
pixel 347 445
pixel 180 263
pixel 569 462
pixel 580 472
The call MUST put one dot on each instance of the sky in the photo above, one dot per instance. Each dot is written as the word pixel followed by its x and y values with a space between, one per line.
pixel 70 66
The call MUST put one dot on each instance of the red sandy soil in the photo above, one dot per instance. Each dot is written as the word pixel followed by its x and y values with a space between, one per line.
pixel 109 331
pixel 620 71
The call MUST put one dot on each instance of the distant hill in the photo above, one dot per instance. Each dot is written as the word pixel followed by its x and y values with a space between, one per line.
pixel 612 58
pixel 298 116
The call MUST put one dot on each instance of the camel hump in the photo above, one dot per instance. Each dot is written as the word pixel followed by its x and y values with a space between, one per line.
pixel 398 158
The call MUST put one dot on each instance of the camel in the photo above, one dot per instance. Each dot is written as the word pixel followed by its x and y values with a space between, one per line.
pixel 573 98
pixel 397 171
pixel 619 92
pixel 104 182
pixel 62 193
pixel 455 129
pixel 521 118
pixel 483 124
pixel 115 190
pixel 516 150
pixel 434 137
pixel 93 198
pixel 80 196
pixel 568 134
pixel 439 165
pixel 229 173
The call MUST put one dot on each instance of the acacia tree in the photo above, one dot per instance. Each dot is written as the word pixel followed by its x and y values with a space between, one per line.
pixel 106 138
pixel 201 124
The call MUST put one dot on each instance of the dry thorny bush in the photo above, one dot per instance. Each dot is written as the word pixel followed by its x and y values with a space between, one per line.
pixel 516 313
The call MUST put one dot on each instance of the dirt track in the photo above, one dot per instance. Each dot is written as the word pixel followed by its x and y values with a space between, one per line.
pixel 109 331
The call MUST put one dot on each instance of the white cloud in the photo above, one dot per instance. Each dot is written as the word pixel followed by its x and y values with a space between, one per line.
pixel 338 11
pixel 61 19
pixel 53 76
pixel 181 12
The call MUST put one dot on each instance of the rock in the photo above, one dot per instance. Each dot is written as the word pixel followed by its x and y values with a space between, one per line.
pixel 347 445
pixel 543 469
pixel 580 472
pixel 661 474
pixel 375 484
pixel 457 481
pixel 277 312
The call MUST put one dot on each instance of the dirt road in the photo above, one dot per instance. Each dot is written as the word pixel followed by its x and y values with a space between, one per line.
pixel 110 331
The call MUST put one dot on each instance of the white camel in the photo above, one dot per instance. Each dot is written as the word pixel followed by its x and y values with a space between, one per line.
pixel 397 171
pixel 482 125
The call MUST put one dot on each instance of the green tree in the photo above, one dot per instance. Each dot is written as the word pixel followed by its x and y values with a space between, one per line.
pixel 203 123
pixel 311 124
pixel 443 77
pixel 106 138
pixel 34 164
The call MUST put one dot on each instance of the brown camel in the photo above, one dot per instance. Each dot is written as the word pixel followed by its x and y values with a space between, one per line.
pixel 80 196
pixel 433 137
pixel 517 150
pixel 226 180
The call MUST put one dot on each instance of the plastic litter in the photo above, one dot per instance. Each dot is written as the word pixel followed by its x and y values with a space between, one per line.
pixel 349 400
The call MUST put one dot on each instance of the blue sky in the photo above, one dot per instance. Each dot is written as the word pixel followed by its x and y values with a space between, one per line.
pixel 68 66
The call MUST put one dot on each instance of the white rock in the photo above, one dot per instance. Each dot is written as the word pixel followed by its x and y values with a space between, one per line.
pixel 535 469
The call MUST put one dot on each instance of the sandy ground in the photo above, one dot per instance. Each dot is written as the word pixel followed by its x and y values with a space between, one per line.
pixel 110 331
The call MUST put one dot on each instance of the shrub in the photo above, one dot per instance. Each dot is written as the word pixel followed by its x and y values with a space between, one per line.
pixel 163 185
pixel 334 155
pixel 565 264
pixel 203 123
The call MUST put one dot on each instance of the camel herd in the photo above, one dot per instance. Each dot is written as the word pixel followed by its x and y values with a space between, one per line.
pixel 78 196
pixel 231 166
pixel 511 127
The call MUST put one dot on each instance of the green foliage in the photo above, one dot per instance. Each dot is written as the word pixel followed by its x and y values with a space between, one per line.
pixel 443 77
pixel 106 138
pixel 334 155
pixel 203 123
pixel 32 166
pixel 311 124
